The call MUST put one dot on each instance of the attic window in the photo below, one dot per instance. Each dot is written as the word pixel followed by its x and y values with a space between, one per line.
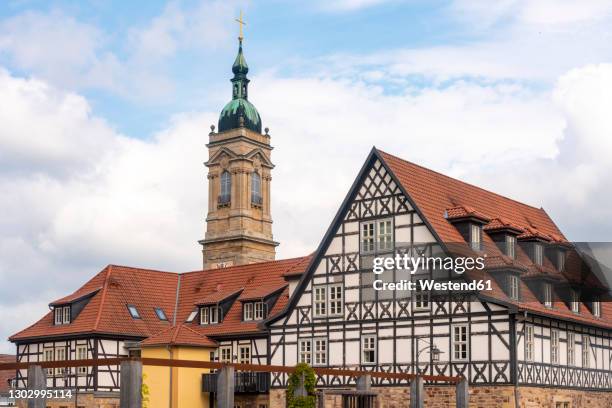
pixel 476 237
pixel 596 308
pixel 133 311
pixel 513 287
pixel 575 304
pixel 61 315
pixel 561 260
pixel 538 254
pixel 160 313
pixel 511 246
pixel 192 316
pixel 547 289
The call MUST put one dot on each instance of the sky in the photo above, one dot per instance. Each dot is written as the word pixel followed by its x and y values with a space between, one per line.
pixel 105 109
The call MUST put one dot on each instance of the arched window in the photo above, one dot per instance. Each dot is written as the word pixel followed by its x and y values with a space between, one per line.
pixel 256 188
pixel 226 188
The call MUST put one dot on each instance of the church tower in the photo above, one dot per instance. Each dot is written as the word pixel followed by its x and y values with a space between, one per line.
pixel 239 222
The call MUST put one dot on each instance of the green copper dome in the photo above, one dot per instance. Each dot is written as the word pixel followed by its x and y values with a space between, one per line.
pixel 239 112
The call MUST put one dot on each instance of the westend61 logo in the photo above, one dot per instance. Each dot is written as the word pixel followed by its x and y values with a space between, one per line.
pixel 458 265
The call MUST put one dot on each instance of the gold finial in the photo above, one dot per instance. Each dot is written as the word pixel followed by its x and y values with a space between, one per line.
pixel 242 23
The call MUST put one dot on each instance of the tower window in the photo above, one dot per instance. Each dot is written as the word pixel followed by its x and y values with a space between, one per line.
pixel 225 194
pixel 256 189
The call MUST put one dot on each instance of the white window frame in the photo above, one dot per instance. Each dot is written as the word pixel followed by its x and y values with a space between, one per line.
pixel 60 355
pixel 244 353
pixel 204 315
pixel 81 354
pixel 538 253
pixel 514 287
pixel 369 348
pixel 571 349
pixel 586 351
pixel 58 315
pixel 461 342
pixel 305 351
pixel 335 299
pixel 548 298
pixel 320 350
pixel 214 315
pixel 575 303
pixel 529 342
pixel 475 237
pixel 376 236
pixel 248 311
pixel 554 346
pixel 560 260
pixel 225 354
pixel 259 310
pixel 511 246
pixel 49 355
pixel 596 308
pixel 421 300
pixel 319 300
pixel 66 314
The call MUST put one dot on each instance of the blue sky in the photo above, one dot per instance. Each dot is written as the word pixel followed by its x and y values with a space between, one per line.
pixel 106 106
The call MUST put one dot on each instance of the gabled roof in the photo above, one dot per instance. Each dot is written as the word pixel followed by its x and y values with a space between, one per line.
pixel 115 287
pixel 219 295
pixel 179 335
pixel 76 296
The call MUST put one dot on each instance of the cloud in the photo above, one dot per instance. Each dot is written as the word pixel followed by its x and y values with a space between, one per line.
pixel 350 5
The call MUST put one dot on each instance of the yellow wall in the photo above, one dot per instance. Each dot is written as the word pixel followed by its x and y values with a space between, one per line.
pixel 186 382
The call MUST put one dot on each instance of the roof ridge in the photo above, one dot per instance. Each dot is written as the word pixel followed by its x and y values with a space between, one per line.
pixel 104 289
pixel 143 269
pixel 462 182
pixel 245 265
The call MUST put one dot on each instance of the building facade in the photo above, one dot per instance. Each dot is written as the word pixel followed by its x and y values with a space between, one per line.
pixel 536 334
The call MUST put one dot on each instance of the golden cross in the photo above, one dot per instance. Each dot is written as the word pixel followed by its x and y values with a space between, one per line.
pixel 242 23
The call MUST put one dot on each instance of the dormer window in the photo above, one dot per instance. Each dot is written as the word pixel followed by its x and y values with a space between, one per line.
pixel 547 289
pixel 253 311
pixel 561 260
pixel 513 287
pixel 61 315
pixel 511 246
pixel 575 303
pixel 210 315
pixel 133 312
pixel 596 308
pixel 259 310
pixel 476 237
pixel 160 313
pixel 538 253
pixel 248 311
pixel 225 193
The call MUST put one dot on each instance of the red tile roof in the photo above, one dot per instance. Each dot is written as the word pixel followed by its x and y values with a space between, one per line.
pixel 6 375
pixel 117 286
pixel 179 335
pixel 218 295
pixel 440 197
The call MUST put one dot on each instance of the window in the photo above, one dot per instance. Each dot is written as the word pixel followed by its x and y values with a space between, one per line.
pixel 513 287
pixel 368 345
pixel 554 346
pixel 66 314
pixel 160 313
pixel 511 246
pixel 460 343
pixel 335 300
pixel 320 301
pixel 575 304
pixel 529 345
pixel 133 311
pixel 538 254
pixel 48 356
pixel 58 315
pixel 377 236
pixel 586 351
pixel 320 351
pixel 60 354
pixel 81 353
pixel 547 295
pixel 571 349
pixel 306 351
pixel 561 260
pixel 596 308
pixel 421 300
pixel 204 315
pixel 214 315
pixel 226 188
pixel 475 237
pixel 562 404
pixel 192 316
pixel 256 189
pixel 244 354
pixel 259 310
pixel 225 354
pixel 248 311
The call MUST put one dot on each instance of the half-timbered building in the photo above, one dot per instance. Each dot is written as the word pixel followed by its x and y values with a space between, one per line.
pixel 534 333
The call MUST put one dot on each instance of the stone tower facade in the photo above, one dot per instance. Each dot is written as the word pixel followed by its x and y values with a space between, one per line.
pixel 239 221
